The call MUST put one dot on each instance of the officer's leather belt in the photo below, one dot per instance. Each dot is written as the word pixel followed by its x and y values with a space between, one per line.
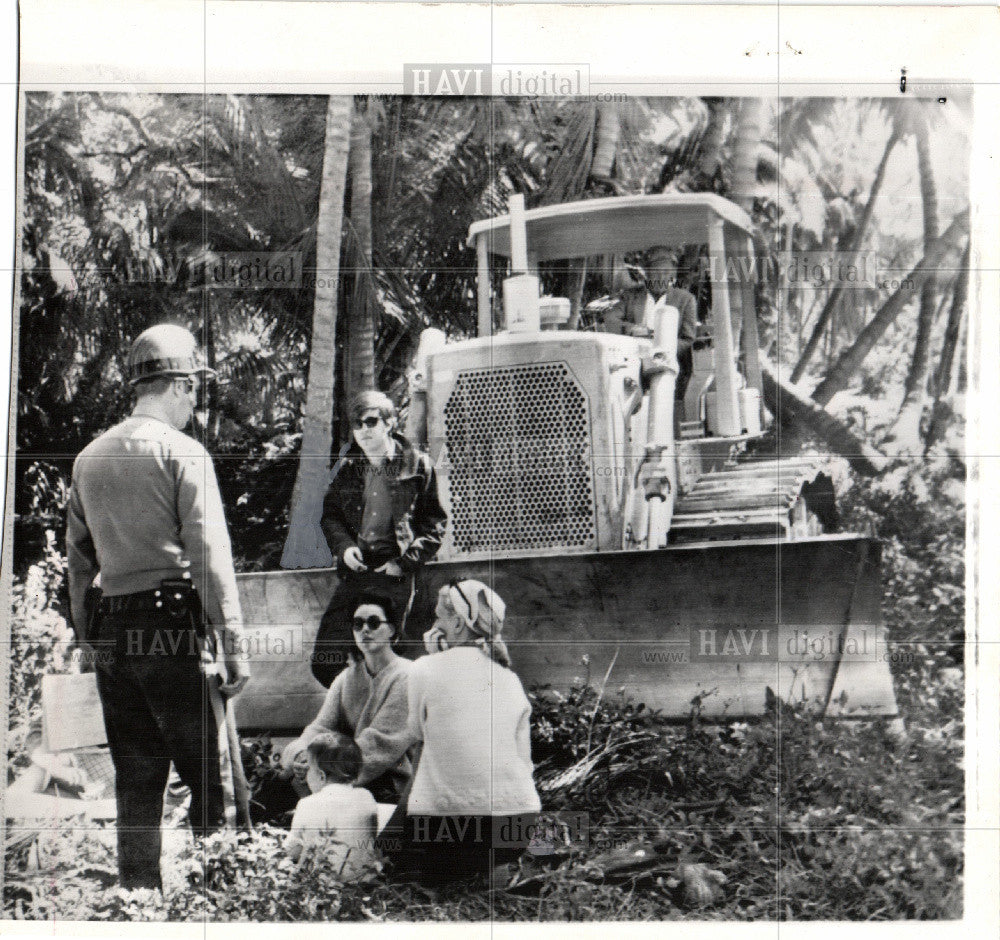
pixel 133 603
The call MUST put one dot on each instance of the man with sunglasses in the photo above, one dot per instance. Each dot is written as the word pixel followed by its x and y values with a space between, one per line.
pixel 383 521
pixel 145 515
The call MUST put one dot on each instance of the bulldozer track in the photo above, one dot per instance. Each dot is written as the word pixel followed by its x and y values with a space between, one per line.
pixel 750 499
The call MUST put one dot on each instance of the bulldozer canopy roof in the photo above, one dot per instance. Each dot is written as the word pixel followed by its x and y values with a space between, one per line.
pixel 613 225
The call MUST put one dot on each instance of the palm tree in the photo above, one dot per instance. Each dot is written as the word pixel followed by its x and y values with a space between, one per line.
pixel 360 346
pixel 713 138
pixel 305 546
pixel 850 360
pixel 746 151
pixel 906 432
pixel 860 231
pixel 945 374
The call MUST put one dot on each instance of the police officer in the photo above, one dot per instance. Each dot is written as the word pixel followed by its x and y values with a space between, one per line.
pixel 145 514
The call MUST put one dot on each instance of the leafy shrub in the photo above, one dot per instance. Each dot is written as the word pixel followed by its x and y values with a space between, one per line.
pixel 272 799
pixel 256 468
pixel 41 491
pixel 918 512
pixel 565 727
pixel 228 876
pixel 247 876
pixel 868 830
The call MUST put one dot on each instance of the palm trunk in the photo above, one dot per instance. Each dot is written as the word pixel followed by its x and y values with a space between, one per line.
pixel 577 279
pixel 792 407
pixel 851 359
pixel 211 393
pixel 606 140
pixel 960 373
pixel 949 346
pixel 361 329
pixel 305 546
pixel 710 147
pixel 859 236
pixel 749 133
pixel 906 433
pixel 603 126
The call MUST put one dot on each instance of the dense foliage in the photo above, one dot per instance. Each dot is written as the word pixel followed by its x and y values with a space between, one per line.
pixel 804 819
pixel 131 202
pixel 41 644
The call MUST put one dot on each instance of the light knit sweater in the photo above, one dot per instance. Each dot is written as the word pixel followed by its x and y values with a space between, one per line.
pixel 473 717
pixel 373 711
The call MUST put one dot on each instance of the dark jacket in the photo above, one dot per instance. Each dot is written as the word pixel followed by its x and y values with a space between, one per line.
pixel 618 318
pixel 417 516
pixel 687 322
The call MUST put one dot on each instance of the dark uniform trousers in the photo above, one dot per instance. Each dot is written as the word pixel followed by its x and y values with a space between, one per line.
pixel 159 707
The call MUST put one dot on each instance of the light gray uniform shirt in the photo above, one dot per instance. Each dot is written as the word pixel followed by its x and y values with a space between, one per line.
pixel 145 506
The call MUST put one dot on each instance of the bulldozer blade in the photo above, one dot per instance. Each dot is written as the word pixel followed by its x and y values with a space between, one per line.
pixel 702 627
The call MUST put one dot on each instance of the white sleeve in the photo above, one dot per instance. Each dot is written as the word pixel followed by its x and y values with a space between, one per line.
pixel 295 842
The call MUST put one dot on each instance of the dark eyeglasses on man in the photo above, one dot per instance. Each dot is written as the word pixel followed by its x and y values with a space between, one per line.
pixel 370 422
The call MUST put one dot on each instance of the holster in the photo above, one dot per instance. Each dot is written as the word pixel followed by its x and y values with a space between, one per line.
pixel 181 602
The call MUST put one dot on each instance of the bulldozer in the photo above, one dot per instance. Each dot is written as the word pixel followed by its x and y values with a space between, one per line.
pixel 661 545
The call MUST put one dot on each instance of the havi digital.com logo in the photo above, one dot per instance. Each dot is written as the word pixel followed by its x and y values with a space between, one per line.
pixel 517 79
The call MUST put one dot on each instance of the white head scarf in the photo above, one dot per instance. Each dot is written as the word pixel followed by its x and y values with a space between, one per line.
pixel 482 610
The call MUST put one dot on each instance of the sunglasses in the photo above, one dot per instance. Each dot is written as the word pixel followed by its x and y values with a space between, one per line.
pixel 370 422
pixel 372 623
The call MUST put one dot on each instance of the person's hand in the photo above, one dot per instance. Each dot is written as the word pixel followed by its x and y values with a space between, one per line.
pixel 300 766
pixel 392 569
pixel 292 750
pixel 85 655
pixel 434 640
pixel 295 766
pixel 353 559
pixel 237 673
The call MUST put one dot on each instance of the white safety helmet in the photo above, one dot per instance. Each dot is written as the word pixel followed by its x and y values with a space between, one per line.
pixel 166 349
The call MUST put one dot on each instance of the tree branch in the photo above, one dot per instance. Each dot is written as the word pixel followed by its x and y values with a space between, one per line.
pixel 122 154
pixel 122 113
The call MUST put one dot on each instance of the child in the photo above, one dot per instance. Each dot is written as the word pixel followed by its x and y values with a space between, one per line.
pixel 337 817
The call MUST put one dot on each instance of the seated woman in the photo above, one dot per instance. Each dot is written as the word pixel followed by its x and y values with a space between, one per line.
pixel 473 799
pixel 368 702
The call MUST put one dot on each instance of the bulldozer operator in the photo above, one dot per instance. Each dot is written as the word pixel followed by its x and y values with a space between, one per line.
pixel 637 289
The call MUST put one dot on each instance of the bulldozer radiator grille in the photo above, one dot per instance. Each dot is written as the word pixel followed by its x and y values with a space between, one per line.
pixel 519 451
